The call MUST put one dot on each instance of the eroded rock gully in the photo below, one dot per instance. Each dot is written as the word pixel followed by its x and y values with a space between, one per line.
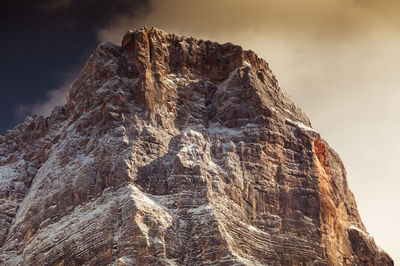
pixel 176 151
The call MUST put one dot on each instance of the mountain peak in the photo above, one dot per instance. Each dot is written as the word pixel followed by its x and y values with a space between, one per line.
pixel 176 151
pixel 170 53
pixel 153 62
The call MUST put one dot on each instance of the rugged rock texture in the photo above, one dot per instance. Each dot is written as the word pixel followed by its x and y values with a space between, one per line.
pixel 176 151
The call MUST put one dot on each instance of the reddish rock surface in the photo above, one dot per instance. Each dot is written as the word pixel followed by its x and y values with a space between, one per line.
pixel 176 151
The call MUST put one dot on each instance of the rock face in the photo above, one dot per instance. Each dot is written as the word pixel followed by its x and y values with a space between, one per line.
pixel 176 151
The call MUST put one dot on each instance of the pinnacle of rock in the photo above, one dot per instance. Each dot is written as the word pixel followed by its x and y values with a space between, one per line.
pixel 176 151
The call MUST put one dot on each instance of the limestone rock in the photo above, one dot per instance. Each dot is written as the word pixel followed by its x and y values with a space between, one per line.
pixel 176 151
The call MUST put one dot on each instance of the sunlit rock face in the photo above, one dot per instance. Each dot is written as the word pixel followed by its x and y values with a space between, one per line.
pixel 176 151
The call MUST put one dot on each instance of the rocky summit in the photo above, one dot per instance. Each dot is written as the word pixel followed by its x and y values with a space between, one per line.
pixel 176 151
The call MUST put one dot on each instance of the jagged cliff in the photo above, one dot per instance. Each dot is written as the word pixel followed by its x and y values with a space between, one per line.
pixel 176 151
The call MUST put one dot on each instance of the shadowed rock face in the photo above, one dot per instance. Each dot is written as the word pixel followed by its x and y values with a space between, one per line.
pixel 176 151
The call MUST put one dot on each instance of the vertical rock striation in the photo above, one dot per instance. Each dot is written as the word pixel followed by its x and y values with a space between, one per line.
pixel 176 151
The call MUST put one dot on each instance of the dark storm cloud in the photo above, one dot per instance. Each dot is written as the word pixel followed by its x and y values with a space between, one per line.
pixel 89 12
pixel 71 13
pixel 42 43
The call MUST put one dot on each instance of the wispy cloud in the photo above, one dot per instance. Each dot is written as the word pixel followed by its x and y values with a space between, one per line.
pixel 210 19
pixel 55 97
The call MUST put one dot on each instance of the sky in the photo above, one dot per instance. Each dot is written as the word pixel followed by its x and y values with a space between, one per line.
pixel 44 44
pixel 339 60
